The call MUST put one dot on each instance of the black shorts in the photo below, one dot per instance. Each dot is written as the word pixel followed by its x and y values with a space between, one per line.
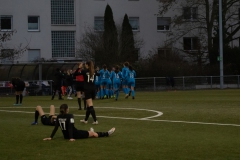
pixel 47 120
pixel 90 94
pixel 20 87
pixel 80 134
pixel 79 86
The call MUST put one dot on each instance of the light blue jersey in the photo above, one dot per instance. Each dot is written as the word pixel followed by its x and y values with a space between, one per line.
pixel 124 74
pixel 131 75
pixel 116 78
pixel 104 75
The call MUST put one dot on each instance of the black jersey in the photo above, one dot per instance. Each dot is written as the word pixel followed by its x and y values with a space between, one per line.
pixel 89 83
pixel 66 123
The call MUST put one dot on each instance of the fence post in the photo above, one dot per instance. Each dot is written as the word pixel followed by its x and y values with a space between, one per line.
pixel 211 82
pixel 183 84
pixel 40 75
pixel 238 81
pixel 154 84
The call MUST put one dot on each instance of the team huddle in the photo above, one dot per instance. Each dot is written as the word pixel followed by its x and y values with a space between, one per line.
pixel 108 83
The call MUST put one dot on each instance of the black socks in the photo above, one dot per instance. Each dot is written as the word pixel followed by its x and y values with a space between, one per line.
pixel 21 98
pixel 36 115
pixel 102 134
pixel 90 110
pixel 17 99
pixel 84 101
pixel 79 103
pixel 87 113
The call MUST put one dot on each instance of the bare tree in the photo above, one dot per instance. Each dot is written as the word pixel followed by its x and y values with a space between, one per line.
pixel 90 46
pixel 13 52
pixel 198 18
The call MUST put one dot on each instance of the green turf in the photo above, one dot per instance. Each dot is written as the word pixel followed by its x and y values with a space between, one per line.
pixel 174 135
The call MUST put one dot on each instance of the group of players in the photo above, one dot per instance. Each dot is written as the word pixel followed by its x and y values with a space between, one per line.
pixel 91 83
pixel 107 83
pixel 64 120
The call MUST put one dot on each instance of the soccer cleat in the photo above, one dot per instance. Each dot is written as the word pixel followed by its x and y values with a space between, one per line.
pixel 69 98
pixel 133 97
pixel 34 123
pixel 91 129
pixel 96 122
pixel 111 131
pixel 16 104
pixel 126 96
pixel 83 121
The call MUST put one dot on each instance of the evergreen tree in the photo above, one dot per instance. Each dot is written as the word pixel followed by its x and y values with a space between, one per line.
pixel 127 42
pixel 110 38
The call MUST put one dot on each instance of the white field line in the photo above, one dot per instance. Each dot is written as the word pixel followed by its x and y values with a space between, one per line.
pixel 140 119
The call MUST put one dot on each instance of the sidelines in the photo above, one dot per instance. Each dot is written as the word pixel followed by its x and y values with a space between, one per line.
pixel 141 119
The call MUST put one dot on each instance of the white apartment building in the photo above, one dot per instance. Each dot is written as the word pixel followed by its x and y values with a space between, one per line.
pixel 51 28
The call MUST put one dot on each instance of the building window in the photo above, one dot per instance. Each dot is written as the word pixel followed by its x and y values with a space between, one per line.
pixel 6 23
pixel 62 12
pixel 163 23
pixel 33 23
pixel 99 23
pixel 33 54
pixel 190 13
pixel 134 22
pixel 164 52
pixel 63 44
pixel 7 55
pixel 190 43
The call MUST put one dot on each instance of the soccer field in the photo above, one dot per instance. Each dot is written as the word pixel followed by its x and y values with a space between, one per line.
pixel 201 124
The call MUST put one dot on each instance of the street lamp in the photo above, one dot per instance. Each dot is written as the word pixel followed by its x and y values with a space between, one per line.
pixel 220 43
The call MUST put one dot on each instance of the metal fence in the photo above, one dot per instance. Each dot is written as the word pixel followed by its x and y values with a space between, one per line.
pixel 36 87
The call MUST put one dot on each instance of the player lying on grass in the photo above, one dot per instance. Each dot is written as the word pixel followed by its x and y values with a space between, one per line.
pixel 66 122
pixel 51 120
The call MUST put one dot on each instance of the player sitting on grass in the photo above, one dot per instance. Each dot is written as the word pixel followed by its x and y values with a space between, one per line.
pixel 51 120
pixel 66 122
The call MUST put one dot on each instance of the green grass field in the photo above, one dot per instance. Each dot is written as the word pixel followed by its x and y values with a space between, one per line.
pixel 201 124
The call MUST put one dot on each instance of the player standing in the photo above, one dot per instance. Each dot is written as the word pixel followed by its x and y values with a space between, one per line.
pixel 124 81
pixel 79 85
pixel 104 75
pixel 116 77
pixel 19 86
pixel 131 75
pixel 89 90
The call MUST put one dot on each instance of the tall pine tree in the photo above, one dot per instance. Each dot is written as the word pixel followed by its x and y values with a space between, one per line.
pixel 128 51
pixel 110 38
